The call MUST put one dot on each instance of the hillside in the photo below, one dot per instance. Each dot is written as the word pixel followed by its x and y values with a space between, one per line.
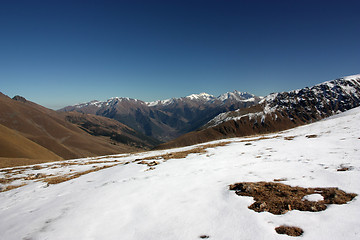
pixel 166 119
pixel 110 128
pixel 15 149
pixel 308 174
pixel 279 111
pixel 50 130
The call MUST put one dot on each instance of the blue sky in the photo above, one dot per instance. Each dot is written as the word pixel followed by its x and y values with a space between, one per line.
pixel 58 53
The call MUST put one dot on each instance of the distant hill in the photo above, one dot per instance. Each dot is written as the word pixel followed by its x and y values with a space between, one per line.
pixel 279 111
pixel 166 119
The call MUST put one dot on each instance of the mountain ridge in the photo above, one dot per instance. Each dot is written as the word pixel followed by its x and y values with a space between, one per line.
pixel 279 111
pixel 166 119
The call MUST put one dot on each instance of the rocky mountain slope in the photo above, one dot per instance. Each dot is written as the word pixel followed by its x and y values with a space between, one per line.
pixel 110 128
pixel 30 131
pixel 166 119
pixel 279 111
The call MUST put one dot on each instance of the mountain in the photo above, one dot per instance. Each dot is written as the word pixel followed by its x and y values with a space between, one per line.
pixel 110 128
pixel 166 119
pixel 279 111
pixel 15 148
pixel 31 131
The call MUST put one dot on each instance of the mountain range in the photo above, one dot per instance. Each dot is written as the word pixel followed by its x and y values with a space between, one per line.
pixel 31 133
pixel 279 111
pixel 165 120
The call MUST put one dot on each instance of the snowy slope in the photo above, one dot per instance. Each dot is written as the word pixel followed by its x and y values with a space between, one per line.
pixel 189 197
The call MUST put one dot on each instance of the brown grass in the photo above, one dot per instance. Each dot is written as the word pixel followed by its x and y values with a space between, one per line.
pixel 312 136
pixel 64 178
pixel 184 154
pixel 278 198
pixel 280 179
pixel 291 231
pixel 289 138
pixel 8 188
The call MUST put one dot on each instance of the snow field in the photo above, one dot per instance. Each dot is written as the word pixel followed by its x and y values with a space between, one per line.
pixel 189 197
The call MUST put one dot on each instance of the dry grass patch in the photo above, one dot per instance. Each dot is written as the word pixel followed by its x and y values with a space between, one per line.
pixel 312 136
pixel 184 154
pixel 150 164
pixel 64 178
pixel 280 179
pixel 278 198
pixel 289 138
pixel 8 188
pixel 291 231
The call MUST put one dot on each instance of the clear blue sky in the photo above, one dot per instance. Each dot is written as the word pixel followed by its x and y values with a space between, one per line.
pixel 59 52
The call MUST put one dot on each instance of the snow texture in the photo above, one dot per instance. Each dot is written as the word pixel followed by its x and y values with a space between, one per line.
pixel 313 197
pixel 189 197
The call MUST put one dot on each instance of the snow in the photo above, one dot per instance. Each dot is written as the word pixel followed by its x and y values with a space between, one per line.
pixel 238 96
pixel 313 197
pixel 160 102
pixel 189 197
pixel 352 77
pixel 201 96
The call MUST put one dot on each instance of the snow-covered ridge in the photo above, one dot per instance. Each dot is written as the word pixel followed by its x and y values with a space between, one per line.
pixel 352 77
pixel 323 100
pixel 201 96
pixel 205 97
pixel 109 102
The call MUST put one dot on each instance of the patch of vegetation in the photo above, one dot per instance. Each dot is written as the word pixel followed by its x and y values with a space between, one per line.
pixel 291 231
pixel 278 198
pixel 64 178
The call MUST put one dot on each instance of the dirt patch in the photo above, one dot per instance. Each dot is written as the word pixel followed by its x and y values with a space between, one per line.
pixel 312 136
pixel 291 231
pixel 204 236
pixel 280 179
pixel 343 168
pixel 289 138
pixel 150 164
pixel 278 198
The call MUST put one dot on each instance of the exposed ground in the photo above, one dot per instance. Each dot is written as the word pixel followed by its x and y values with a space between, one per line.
pixel 288 230
pixel 278 198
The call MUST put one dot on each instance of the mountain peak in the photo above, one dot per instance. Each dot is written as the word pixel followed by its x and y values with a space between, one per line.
pixel 201 96
pixel 236 95
pixel 19 98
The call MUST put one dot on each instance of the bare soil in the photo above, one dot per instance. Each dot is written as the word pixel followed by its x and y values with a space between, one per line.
pixel 291 231
pixel 278 198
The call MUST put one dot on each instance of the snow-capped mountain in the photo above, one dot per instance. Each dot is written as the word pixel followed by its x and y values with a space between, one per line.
pixel 234 96
pixel 167 119
pixel 280 111
pixel 317 102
